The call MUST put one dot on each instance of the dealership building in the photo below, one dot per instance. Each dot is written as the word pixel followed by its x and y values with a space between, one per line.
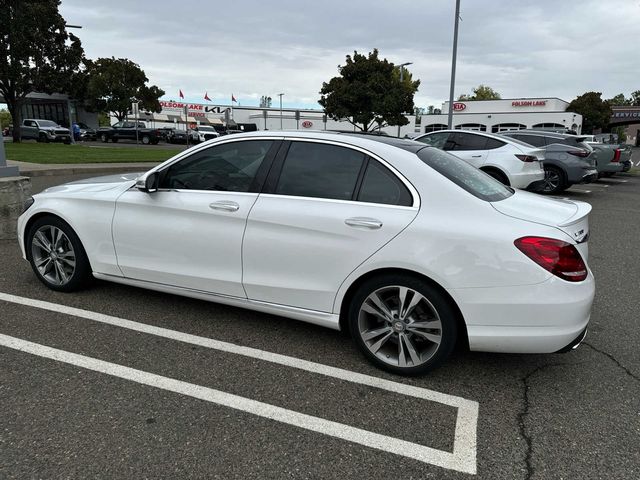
pixel 482 115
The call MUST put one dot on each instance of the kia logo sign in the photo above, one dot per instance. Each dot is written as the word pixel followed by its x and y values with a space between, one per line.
pixel 457 107
pixel 307 124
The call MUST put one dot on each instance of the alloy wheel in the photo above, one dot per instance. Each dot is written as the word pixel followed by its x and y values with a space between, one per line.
pixel 53 255
pixel 552 180
pixel 400 326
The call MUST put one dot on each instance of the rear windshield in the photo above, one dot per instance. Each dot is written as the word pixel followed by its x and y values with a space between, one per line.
pixel 464 175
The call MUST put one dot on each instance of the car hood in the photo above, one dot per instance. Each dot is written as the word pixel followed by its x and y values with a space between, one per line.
pixel 96 184
pixel 567 215
pixel 54 128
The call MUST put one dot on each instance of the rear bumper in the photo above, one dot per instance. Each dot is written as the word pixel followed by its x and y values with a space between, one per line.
pixel 613 167
pixel 524 180
pixel 589 176
pixel 536 186
pixel 542 318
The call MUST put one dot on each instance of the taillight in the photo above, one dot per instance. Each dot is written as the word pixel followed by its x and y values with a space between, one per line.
pixel 579 153
pixel 527 158
pixel 558 257
pixel 616 155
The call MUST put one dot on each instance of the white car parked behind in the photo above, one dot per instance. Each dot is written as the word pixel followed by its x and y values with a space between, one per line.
pixel 510 161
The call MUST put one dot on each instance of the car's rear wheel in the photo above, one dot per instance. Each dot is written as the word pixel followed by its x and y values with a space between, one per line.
pixel 402 324
pixel 146 140
pixel 554 181
pixel 57 255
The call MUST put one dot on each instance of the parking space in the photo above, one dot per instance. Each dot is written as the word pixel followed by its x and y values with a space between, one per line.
pixel 116 381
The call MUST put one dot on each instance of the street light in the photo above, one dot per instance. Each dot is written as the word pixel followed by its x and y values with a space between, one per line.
pixel 402 65
pixel 453 64
pixel 280 95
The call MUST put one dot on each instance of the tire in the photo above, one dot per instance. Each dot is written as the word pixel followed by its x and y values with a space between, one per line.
pixel 608 174
pixel 65 268
pixel 554 180
pixel 104 138
pixel 146 139
pixel 114 139
pixel 498 175
pixel 386 339
pixel 42 138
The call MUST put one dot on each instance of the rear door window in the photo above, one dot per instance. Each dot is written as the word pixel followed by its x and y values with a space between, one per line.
pixel 320 170
pixel 381 185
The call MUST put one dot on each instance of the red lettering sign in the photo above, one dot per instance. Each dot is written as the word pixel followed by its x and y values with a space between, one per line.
pixel 528 103
pixel 457 107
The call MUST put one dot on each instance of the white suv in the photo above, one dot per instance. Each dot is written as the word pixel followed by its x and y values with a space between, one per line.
pixel 510 161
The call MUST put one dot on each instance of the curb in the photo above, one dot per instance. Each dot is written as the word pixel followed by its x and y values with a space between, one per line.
pixel 81 170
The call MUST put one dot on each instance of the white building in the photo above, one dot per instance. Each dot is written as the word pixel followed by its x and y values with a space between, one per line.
pixel 484 115
pixel 504 114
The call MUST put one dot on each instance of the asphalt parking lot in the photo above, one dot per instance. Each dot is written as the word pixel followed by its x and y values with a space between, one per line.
pixel 139 384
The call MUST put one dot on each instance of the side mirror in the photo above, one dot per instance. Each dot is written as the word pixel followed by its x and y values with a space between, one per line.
pixel 148 183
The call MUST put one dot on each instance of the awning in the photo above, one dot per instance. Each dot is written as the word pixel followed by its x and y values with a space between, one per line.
pixel 160 117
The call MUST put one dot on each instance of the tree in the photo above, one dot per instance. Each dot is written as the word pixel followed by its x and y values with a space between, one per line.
pixel 481 92
pixel 619 100
pixel 36 53
pixel 5 119
pixel 635 98
pixel 368 93
pixel 596 113
pixel 265 101
pixel 113 84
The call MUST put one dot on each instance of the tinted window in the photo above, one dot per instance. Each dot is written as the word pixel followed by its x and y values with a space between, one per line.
pixel 320 170
pixel 535 140
pixel 229 167
pixel 380 185
pixel 435 140
pixel 493 143
pixel 465 141
pixel 464 175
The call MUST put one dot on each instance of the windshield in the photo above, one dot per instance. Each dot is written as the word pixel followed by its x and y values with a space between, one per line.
pixel 47 123
pixel 206 129
pixel 464 175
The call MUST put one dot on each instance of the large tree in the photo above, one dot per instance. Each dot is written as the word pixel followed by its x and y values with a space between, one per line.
pixel 369 93
pixel 596 113
pixel 113 84
pixel 481 92
pixel 36 53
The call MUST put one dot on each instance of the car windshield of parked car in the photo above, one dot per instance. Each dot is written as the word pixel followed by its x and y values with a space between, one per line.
pixel 47 123
pixel 465 175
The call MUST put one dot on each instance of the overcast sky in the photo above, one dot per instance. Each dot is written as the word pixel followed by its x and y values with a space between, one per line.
pixel 521 48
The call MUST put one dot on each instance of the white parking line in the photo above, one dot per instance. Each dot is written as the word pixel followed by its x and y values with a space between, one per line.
pixel 614 180
pixel 463 457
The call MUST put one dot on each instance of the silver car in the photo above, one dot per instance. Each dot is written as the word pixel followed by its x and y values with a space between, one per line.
pixel 44 131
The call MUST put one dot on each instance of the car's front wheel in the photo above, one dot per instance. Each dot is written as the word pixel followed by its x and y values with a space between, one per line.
pixel 57 255
pixel 402 324
pixel 104 138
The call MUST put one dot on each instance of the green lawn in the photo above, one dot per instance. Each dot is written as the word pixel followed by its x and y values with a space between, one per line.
pixel 86 153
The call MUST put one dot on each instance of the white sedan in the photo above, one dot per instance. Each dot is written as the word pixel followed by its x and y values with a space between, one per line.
pixel 404 245
pixel 508 160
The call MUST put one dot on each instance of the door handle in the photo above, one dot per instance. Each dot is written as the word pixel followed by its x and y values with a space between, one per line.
pixel 370 223
pixel 476 156
pixel 225 205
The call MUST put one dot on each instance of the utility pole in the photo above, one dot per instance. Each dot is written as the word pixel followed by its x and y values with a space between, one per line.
pixel 402 65
pixel 453 64
pixel 280 95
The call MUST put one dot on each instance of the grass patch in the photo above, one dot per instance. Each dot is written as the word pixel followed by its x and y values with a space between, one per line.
pixel 60 153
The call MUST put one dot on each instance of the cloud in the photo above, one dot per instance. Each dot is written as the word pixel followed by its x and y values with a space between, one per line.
pixel 253 48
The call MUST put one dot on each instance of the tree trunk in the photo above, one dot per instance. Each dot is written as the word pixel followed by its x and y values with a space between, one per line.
pixel 15 109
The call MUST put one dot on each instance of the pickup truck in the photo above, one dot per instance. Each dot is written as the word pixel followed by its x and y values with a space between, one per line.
pixel 126 130
pixel 44 131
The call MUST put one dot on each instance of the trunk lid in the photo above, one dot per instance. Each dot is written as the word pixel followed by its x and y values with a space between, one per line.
pixel 569 216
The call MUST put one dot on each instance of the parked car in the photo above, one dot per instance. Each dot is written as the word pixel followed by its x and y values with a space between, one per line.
pixel 86 132
pixel 512 163
pixel 206 132
pixel 180 136
pixel 607 158
pixel 44 131
pixel 406 246
pixel 126 130
pixel 567 158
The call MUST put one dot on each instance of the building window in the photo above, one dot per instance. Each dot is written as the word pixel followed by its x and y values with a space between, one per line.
pixel 478 127
pixel 505 127
pixel 434 127
pixel 548 125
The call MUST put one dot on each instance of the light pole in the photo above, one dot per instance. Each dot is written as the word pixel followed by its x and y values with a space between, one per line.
pixel 402 65
pixel 73 139
pixel 280 95
pixel 453 64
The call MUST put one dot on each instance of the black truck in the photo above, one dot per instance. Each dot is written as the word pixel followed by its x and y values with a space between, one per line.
pixel 126 130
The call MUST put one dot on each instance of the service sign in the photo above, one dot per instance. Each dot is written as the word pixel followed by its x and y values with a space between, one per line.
pixel 194 109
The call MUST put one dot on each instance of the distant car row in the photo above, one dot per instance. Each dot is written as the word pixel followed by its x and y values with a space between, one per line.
pixel 536 160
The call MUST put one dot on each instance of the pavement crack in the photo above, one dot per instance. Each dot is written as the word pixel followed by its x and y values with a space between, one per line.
pixel 522 416
pixel 614 360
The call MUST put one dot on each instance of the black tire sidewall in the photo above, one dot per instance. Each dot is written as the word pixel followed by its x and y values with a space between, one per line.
pixel 442 305
pixel 82 273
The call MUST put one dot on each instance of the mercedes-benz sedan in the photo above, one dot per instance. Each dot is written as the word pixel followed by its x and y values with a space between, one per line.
pixel 406 246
